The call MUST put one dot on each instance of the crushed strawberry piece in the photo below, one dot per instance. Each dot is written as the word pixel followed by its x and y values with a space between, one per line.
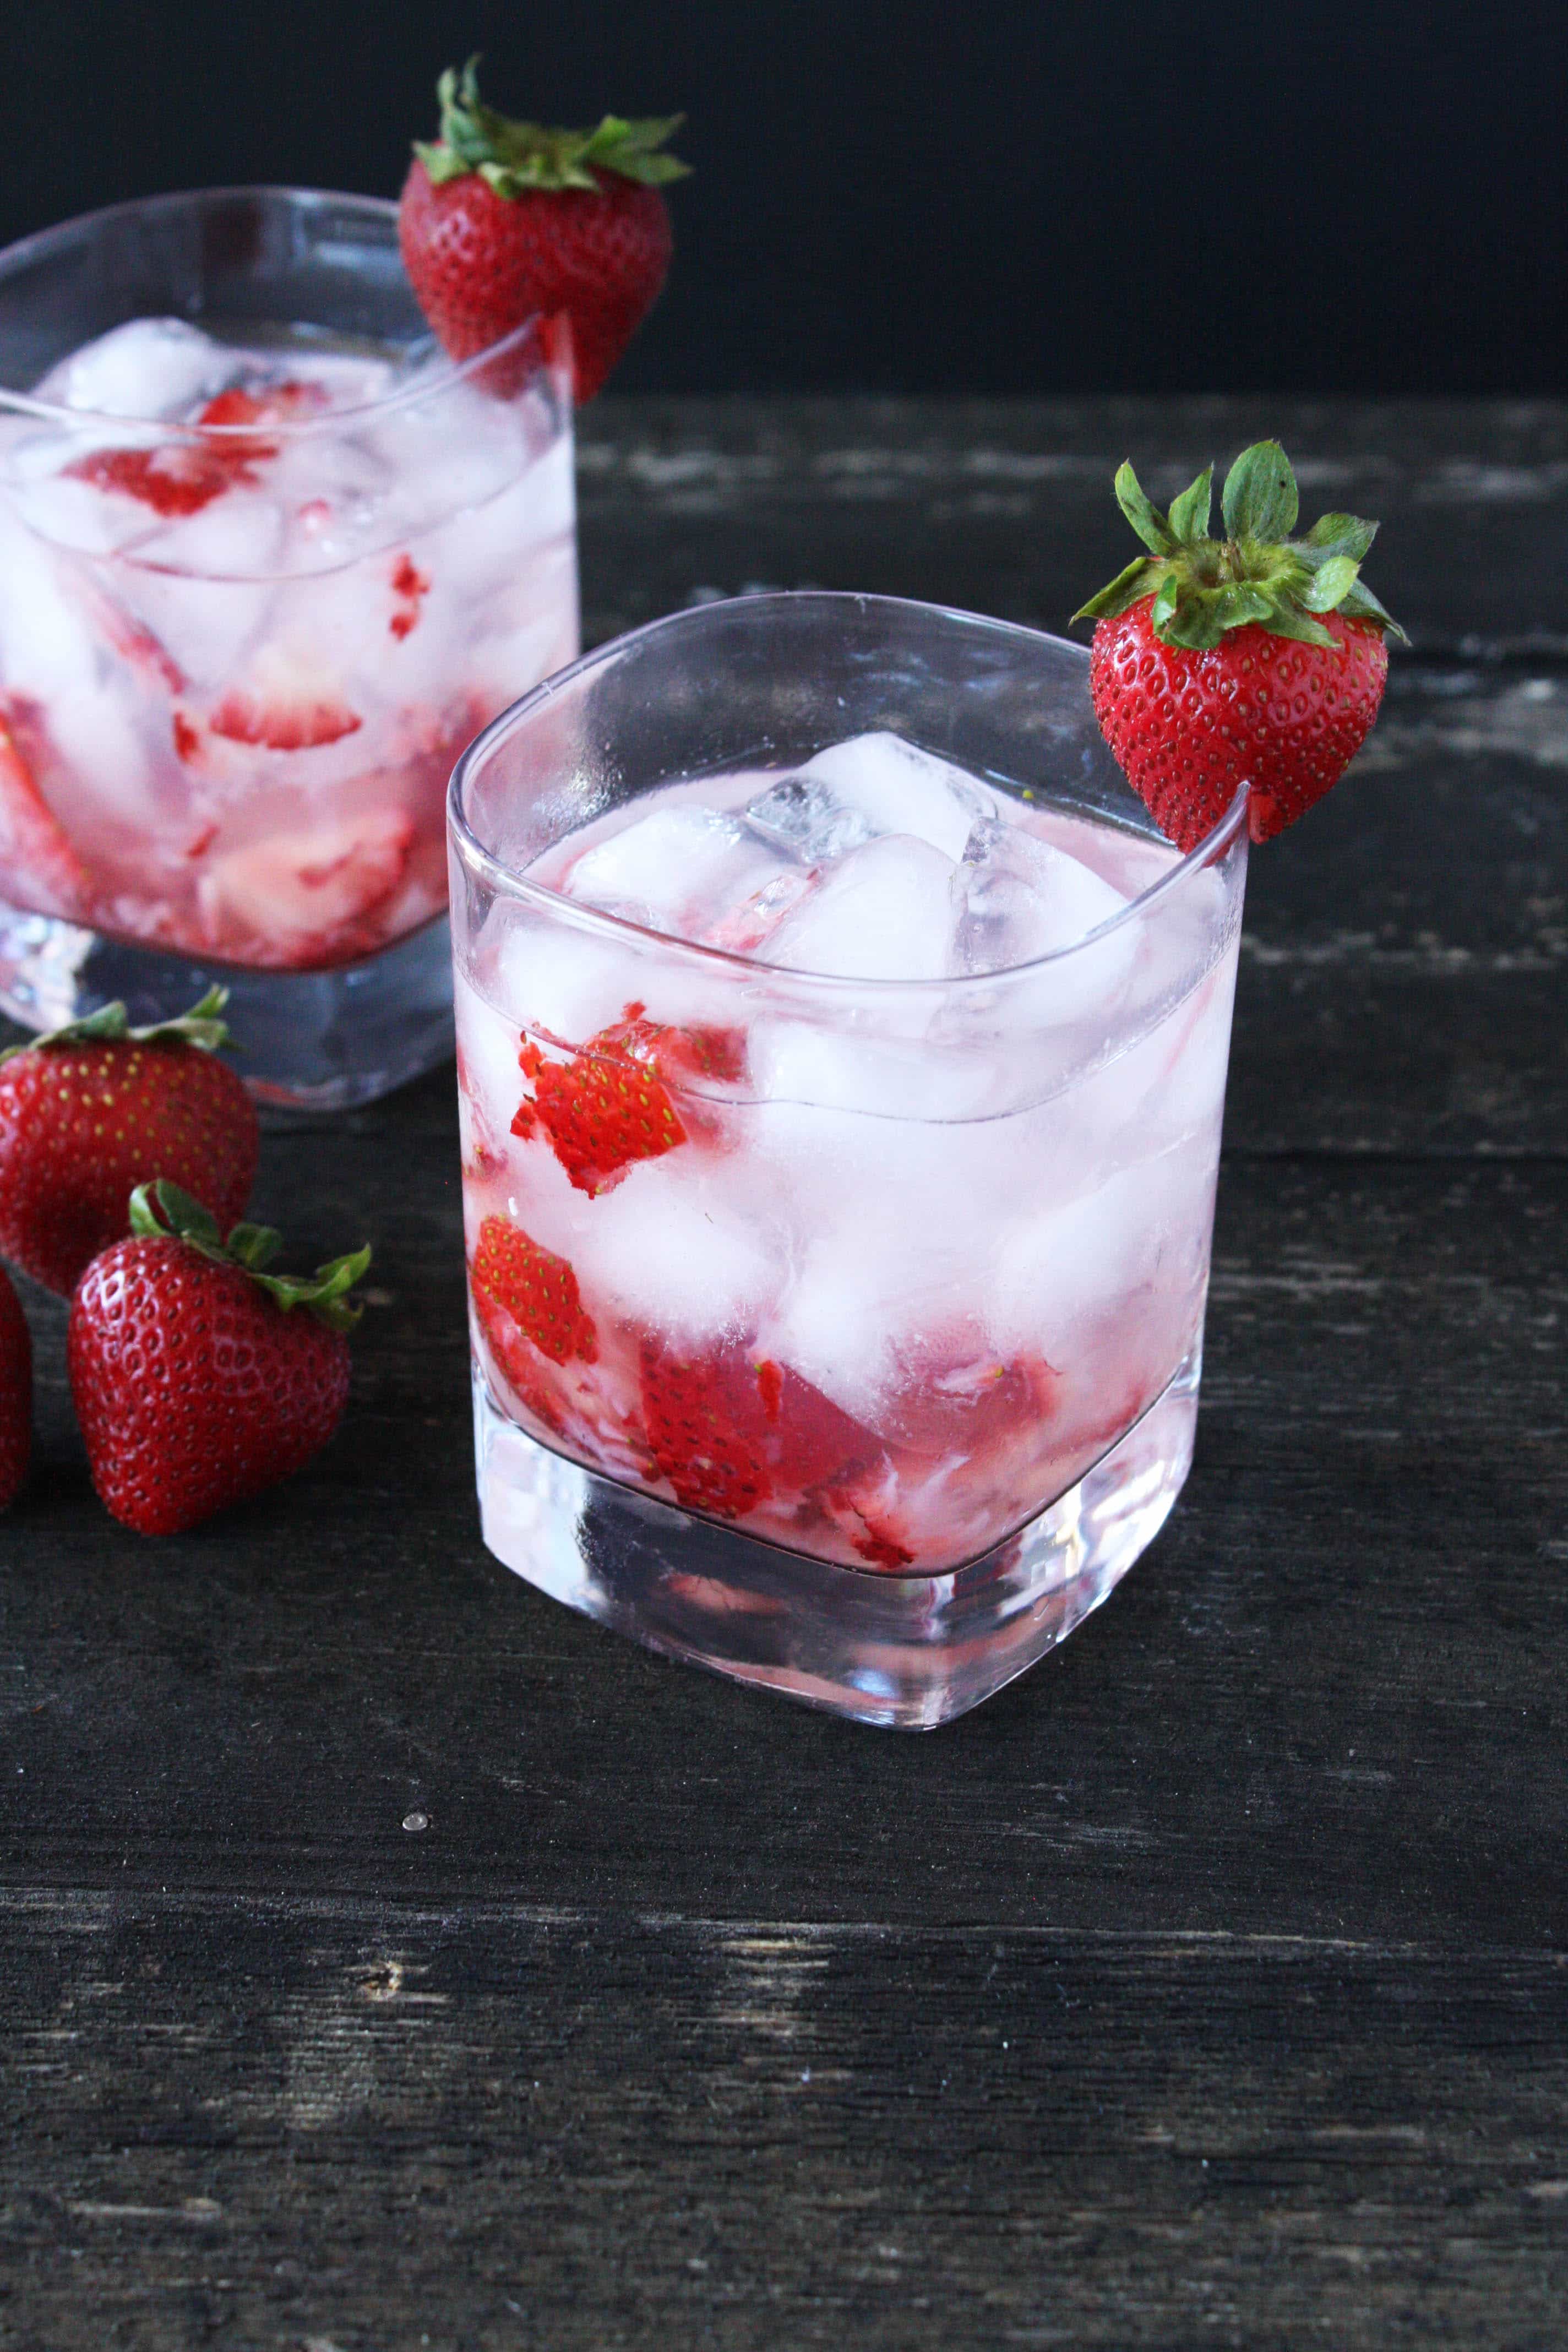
pixel 537 1289
pixel 180 478
pixel 187 737
pixel 694 1439
pixel 300 724
pixel 410 585
pixel 605 1110
pixel 770 1388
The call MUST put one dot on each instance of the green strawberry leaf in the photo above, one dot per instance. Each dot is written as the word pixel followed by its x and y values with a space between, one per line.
pixel 1259 500
pixel 514 157
pixel 110 1025
pixel 1284 621
pixel 1343 534
pixel 1190 512
pixel 1128 588
pixel 1331 584
pixel 162 1211
pixel 1200 587
pixel 1360 604
pixel 1145 518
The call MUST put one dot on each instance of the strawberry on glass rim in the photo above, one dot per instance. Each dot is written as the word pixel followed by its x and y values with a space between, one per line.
pixel 501 221
pixel 1258 658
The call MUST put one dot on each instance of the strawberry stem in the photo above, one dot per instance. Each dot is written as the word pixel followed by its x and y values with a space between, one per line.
pixel 162 1211
pixel 512 157
pixel 111 1026
pixel 1259 572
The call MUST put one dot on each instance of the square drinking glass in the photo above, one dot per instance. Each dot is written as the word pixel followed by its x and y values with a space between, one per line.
pixel 238 658
pixel 877 1376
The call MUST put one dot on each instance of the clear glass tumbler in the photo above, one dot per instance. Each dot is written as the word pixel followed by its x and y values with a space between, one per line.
pixel 267 562
pixel 873 1377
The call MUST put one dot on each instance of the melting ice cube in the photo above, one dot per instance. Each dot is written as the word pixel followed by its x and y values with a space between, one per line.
pixel 1020 898
pixel 883 912
pixel 865 789
pixel 149 367
pixel 803 816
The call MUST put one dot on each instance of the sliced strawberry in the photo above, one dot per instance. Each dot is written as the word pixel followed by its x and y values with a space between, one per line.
pixel 604 1109
pixel 180 478
pixel 135 641
pixel 538 1290
pixel 527 1299
pixel 307 893
pixel 610 1104
pixel 287 712
pixel 695 1435
pixel 174 480
pixel 37 860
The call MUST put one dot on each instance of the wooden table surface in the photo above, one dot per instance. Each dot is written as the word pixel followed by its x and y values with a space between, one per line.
pixel 389 1958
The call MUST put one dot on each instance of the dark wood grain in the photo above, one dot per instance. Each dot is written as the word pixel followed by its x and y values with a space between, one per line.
pixel 375 2125
pixel 1208 1986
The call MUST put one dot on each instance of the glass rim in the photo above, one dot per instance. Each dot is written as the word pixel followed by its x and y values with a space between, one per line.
pixel 495 870
pixel 441 379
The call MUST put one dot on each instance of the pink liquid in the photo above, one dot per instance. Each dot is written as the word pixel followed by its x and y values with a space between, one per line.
pixel 237 663
pixel 886 1329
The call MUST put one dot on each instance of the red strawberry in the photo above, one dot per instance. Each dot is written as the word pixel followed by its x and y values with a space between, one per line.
pixel 502 221
pixel 15 1393
pixel 89 1112
pixel 696 1437
pixel 287 706
pixel 37 860
pixel 198 1377
pixel 730 1432
pixel 1257 660
pixel 179 477
pixel 610 1104
pixel 536 1289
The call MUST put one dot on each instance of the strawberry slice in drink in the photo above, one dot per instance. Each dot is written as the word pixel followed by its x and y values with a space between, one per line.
pixel 611 1104
pixel 180 477
pixel 307 896
pixel 39 867
pixel 287 705
pixel 531 1312
pixel 730 1432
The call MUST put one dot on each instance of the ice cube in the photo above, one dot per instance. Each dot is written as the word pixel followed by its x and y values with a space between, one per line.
pixel 885 911
pixel 892 786
pixel 1022 898
pixel 673 1252
pixel 676 869
pixel 147 368
pixel 1061 1277
pixel 801 815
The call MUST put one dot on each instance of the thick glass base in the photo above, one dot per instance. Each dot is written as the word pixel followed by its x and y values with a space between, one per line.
pixel 906 1651
pixel 307 1040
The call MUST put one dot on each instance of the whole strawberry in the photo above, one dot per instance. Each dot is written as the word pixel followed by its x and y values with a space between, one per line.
pixel 90 1111
pixel 1257 660
pixel 501 221
pixel 199 1378
pixel 15 1394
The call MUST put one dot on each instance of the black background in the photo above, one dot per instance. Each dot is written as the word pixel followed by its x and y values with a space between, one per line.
pixel 895 197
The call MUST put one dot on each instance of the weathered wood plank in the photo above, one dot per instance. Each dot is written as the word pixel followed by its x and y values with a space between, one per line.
pixel 1005 505
pixel 370 2126
pixel 1206 1987
pixel 1327 1702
